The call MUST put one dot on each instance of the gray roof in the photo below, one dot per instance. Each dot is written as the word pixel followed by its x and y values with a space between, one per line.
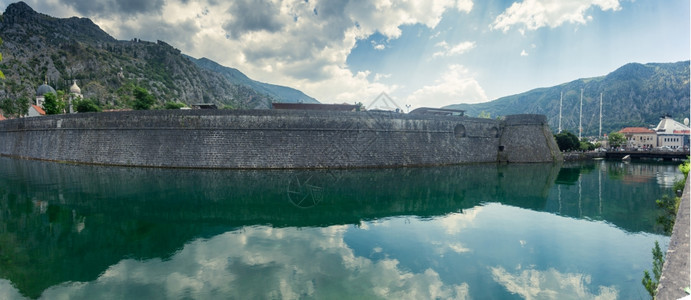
pixel 44 89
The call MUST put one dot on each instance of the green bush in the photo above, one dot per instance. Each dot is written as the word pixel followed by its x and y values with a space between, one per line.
pixel 684 168
pixel 86 105
pixel 567 141
pixel 142 99
pixel 658 260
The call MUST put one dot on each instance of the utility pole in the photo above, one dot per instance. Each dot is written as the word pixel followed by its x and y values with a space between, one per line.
pixel 580 118
pixel 561 97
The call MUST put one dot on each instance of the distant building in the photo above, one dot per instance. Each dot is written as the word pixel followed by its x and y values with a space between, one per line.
pixel 41 93
pixel 35 111
pixel 75 95
pixel 437 111
pixel 672 134
pixel 315 106
pixel 639 137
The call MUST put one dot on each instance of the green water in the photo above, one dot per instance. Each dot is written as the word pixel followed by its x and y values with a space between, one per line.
pixel 471 232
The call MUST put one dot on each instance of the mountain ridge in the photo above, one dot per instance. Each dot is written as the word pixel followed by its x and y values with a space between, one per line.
pixel 37 48
pixel 634 94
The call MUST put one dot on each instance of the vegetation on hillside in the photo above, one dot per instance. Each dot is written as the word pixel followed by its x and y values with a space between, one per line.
pixel 41 48
pixel 633 95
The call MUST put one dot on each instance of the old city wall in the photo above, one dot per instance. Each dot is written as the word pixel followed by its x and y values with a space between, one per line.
pixel 275 139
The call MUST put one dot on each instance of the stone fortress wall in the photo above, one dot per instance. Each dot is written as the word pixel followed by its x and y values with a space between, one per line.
pixel 277 139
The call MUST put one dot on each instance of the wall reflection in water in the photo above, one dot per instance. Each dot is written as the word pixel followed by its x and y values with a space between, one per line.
pixel 446 232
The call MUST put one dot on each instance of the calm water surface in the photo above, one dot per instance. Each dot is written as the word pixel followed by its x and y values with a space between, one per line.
pixel 539 231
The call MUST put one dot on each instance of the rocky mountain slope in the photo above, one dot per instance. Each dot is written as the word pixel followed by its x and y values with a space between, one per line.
pixel 633 95
pixel 38 48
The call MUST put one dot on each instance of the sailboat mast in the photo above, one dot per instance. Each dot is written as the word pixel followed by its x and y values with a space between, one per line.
pixel 600 134
pixel 580 118
pixel 561 98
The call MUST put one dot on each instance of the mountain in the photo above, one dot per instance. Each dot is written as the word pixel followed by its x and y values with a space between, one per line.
pixel 633 95
pixel 37 48
pixel 277 92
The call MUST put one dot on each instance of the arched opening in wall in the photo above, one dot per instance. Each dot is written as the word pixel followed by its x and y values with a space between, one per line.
pixel 494 132
pixel 459 131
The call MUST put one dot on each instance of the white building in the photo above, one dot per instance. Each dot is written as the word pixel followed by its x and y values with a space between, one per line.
pixel 75 95
pixel 639 137
pixel 672 134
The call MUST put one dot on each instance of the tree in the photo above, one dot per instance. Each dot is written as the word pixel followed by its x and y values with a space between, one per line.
pixel 22 105
pixel 18 107
pixel 8 107
pixel 616 139
pixel 484 114
pixel 52 105
pixel 585 145
pixel 86 105
pixel 567 141
pixel 658 260
pixel 142 99
pixel 2 76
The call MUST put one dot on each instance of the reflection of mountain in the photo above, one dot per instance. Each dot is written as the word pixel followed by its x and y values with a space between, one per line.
pixel 65 223
pixel 585 191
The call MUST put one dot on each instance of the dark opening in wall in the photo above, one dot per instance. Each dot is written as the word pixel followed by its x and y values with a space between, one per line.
pixel 494 132
pixel 459 131
pixel 501 148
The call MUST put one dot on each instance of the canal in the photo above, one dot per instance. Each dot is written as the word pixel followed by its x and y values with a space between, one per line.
pixel 534 231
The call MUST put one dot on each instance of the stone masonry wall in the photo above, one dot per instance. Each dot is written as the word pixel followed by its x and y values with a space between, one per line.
pixel 273 139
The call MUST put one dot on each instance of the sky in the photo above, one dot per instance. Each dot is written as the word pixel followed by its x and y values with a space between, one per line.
pixel 419 52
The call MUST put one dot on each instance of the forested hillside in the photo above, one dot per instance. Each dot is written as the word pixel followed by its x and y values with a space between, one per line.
pixel 38 48
pixel 633 95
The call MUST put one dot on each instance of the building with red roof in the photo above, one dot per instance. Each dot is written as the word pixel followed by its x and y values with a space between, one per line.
pixel 35 111
pixel 639 137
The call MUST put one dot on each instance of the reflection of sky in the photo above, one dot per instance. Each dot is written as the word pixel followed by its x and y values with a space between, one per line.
pixel 491 251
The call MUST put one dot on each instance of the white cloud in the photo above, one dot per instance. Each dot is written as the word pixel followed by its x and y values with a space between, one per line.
pixel 304 44
pixel 458 49
pixel 454 223
pixel 379 77
pixel 524 53
pixel 456 85
pixel 534 14
pixel 262 262
pixel 297 43
pixel 550 284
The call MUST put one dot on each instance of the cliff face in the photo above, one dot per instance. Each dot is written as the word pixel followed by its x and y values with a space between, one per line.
pixel 37 47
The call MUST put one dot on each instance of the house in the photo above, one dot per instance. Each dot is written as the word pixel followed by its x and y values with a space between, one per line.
pixel 35 111
pixel 672 134
pixel 639 137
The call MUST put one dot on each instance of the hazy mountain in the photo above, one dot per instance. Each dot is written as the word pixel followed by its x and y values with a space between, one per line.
pixel 37 48
pixel 633 95
pixel 277 92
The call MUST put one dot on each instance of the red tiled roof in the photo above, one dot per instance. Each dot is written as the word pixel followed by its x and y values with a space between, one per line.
pixel 2 118
pixel 682 131
pixel 39 109
pixel 636 130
